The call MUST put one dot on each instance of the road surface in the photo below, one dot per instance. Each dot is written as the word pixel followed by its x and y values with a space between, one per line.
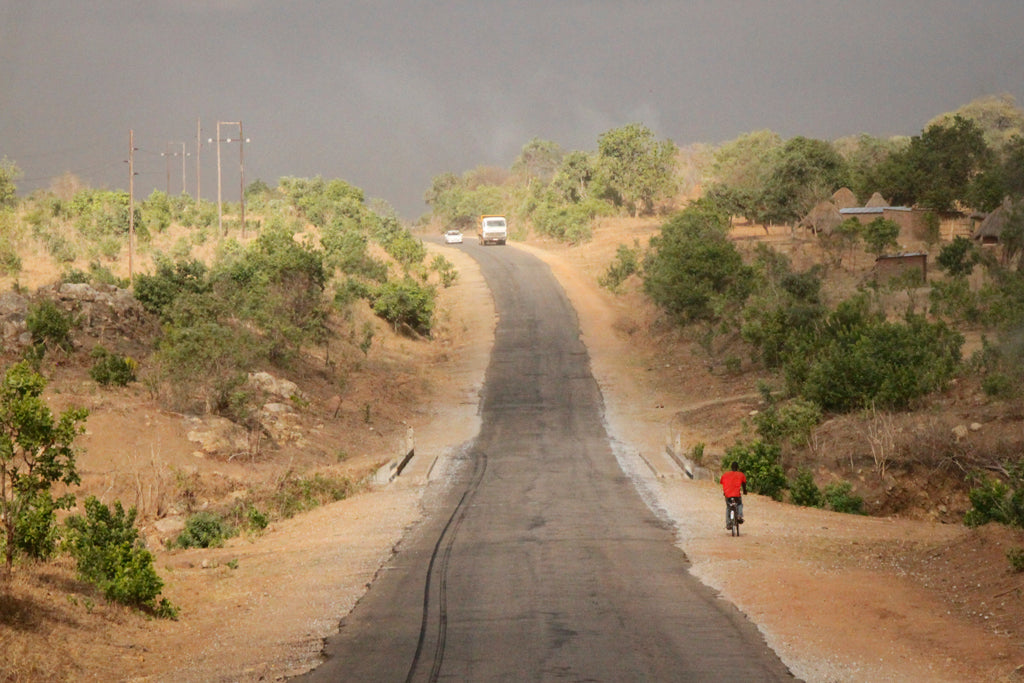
pixel 539 561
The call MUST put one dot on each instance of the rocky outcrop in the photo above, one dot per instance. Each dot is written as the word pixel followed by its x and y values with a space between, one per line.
pixel 101 309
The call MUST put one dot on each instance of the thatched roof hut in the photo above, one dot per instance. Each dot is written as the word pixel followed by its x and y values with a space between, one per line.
pixel 877 200
pixel 844 198
pixel 992 227
pixel 823 218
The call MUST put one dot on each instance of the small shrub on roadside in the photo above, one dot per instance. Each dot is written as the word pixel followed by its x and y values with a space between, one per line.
pixel 626 263
pixel 110 555
pixel 109 368
pixel 998 385
pixel 793 422
pixel 840 498
pixel 298 494
pixel 204 530
pixel 997 501
pixel 49 326
pixel 405 303
pixel 697 453
pixel 446 269
pixel 803 491
pixel 246 516
pixel 1015 556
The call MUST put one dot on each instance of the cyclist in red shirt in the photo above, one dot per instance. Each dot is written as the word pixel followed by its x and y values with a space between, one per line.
pixel 734 483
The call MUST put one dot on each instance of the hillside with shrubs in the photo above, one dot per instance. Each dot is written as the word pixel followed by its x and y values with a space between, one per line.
pixel 225 379
pixel 880 392
pixel 172 378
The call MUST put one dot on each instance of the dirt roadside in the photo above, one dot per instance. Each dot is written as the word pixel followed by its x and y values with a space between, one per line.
pixel 838 597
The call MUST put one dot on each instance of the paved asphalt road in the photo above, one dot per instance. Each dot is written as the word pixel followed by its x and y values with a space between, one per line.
pixel 541 562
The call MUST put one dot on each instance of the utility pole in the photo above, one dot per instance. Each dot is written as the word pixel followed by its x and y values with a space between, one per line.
pixel 241 140
pixel 167 166
pixel 167 154
pixel 131 205
pixel 199 146
pixel 220 215
pixel 241 172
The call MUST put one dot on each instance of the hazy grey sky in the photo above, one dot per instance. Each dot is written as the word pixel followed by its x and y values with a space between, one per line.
pixel 387 95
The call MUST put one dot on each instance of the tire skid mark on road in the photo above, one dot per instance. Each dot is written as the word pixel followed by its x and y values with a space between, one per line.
pixel 441 557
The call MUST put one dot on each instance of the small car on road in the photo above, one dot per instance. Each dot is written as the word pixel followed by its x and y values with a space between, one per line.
pixel 453 237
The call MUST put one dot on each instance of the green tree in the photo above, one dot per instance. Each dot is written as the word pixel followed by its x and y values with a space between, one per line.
pixel 863 154
pixel 879 235
pixel 937 167
pixel 959 257
pixel 36 452
pixel 692 265
pixel 997 117
pixel 804 491
pixel 637 168
pixel 539 160
pixel 1013 167
pixel 275 285
pixel 158 291
pixel 804 172
pixel 740 169
pixel 575 176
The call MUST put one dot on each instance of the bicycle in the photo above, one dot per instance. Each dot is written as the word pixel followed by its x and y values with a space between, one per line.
pixel 734 516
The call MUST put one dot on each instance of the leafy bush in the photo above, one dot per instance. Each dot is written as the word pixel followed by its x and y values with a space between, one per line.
pixel 954 300
pixel 346 248
pixel 839 497
pixel 204 530
pixel 697 453
pixel 567 222
pixel 405 303
pixel 446 269
pixel 110 555
pixel 998 385
pixel 158 291
pixel 792 423
pixel 860 360
pixel 626 263
pixel 49 326
pixel 803 491
pixel 298 494
pixel 780 320
pixel 276 285
pixel 692 269
pixel 1015 556
pixel 36 525
pixel 109 368
pixel 10 261
pixel 959 257
pixel 997 501
pixel 256 520
pixel 760 462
